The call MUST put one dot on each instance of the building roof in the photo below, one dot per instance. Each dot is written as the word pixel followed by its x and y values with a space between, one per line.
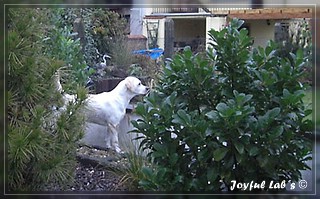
pixel 270 13
pixel 243 13
pixel 164 15
pixel 136 37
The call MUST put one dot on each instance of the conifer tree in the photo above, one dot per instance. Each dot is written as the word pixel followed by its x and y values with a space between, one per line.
pixel 41 143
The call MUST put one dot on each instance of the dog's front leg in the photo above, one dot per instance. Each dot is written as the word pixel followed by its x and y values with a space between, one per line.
pixel 108 138
pixel 114 138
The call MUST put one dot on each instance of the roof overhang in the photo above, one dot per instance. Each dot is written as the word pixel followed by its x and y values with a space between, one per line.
pixel 178 15
pixel 271 13
pixel 263 13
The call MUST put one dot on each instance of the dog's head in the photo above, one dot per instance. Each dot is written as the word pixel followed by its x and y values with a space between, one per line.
pixel 135 86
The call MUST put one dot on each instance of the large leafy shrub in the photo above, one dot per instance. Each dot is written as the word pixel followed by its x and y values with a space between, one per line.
pixel 232 113
pixel 101 28
pixel 106 27
pixel 41 140
pixel 63 44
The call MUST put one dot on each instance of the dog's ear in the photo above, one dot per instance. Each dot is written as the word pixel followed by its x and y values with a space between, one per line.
pixel 129 84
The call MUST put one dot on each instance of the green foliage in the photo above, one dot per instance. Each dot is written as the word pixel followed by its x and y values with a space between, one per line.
pixel 106 27
pixel 131 172
pixel 230 114
pixel 105 33
pixel 102 27
pixel 121 54
pixel 299 38
pixel 41 141
pixel 145 66
pixel 61 44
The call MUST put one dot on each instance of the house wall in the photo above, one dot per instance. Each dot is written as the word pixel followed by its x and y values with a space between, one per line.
pixel 136 21
pixel 161 33
pixel 186 30
pixel 216 23
pixel 261 31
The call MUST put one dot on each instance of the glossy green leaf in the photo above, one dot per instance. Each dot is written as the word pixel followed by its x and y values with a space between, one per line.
pixel 239 146
pixel 277 131
pixel 213 115
pixel 253 151
pixel 220 153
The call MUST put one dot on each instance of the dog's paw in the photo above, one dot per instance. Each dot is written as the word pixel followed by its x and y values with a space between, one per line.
pixel 118 150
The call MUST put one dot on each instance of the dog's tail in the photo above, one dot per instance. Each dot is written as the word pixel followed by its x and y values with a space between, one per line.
pixel 57 83
pixel 151 84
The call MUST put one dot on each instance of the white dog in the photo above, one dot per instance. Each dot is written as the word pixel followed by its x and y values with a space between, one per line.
pixel 109 108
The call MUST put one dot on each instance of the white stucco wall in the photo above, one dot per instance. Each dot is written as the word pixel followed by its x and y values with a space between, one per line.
pixel 136 20
pixel 161 33
pixel 216 23
pixel 261 31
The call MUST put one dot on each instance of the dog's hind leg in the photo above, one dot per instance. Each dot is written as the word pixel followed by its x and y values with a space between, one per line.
pixel 108 137
pixel 114 138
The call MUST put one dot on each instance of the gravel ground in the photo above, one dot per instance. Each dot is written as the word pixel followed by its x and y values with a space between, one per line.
pixel 89 178
pixel 92 173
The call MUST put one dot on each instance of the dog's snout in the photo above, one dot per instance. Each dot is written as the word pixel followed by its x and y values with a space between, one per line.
pixel 147 89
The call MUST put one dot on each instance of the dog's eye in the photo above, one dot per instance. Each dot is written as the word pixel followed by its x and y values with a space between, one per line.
pixel 139 84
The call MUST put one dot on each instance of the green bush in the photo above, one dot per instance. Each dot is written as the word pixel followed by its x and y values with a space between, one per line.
pixel 232 113
pixel 102 27
pixel 144 66
pixel 62 44
pixel 41 141
pixel 299 37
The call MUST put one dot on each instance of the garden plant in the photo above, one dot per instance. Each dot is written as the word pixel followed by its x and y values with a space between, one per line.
pixel 234 112
pixel 42 139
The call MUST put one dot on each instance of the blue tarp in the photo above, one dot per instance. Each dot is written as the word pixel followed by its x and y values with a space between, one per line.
pixel 153 53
